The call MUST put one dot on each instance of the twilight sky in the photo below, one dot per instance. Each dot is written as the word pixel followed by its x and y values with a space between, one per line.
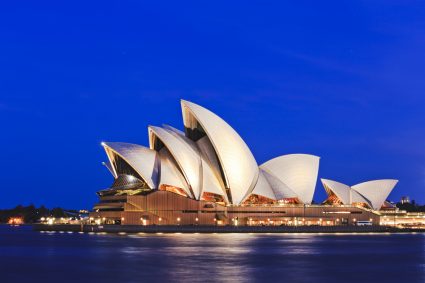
pixel 344 81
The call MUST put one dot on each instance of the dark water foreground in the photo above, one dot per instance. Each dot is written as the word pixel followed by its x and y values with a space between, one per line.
pixel 29 256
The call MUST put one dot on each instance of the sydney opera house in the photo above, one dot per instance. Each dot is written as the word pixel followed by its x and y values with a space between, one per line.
pixel 207 175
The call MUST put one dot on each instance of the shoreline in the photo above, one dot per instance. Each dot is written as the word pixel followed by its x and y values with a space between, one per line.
pixel 219 229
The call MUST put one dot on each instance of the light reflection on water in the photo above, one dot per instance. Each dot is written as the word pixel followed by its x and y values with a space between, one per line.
pixel 99 257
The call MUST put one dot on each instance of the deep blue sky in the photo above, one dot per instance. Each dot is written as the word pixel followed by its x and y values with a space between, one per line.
pixel 344 80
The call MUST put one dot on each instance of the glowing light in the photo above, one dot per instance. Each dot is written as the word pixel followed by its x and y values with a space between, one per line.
pixel 15 221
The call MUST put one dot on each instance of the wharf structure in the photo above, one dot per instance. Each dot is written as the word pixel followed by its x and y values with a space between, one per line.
pixel 207 175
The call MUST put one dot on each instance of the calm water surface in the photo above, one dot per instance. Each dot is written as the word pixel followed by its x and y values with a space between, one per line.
pixel 27 256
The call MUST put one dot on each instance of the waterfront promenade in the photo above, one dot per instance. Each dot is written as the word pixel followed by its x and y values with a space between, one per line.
pixel 219 229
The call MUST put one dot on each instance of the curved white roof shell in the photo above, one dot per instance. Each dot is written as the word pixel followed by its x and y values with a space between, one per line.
pixel 373 193
pixel 280 189
pixel 239 167
pixel 142 159
pixel 297 171
pixel 185 154
pixel 263 187
pixel 376 191
pixel 210 164
pixel 170 174
pixel 170 128
pixel 210 157
pixel 342 191
pixel 209 181
pixel 356 197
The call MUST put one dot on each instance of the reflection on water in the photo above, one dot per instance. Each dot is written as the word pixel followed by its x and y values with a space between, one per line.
pixel 70 257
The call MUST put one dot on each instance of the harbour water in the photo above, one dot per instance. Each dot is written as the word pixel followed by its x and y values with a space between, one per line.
pixel 29 256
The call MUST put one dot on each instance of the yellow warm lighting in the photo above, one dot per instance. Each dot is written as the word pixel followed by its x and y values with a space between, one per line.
pixel 15 221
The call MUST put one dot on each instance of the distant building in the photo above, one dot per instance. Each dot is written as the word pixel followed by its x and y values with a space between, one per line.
pixel 405 199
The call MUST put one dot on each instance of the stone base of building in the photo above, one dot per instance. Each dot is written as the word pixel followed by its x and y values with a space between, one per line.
pixel 167 208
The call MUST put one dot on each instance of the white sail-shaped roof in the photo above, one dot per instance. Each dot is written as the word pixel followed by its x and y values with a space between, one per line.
pixel 280 189
pixel 170 174
pixel 211 164
pixel 373 193
pixel 185 154
pixel 142 159
pixel 210 183
pixel 298 171
pixel 239 167
pixel 170 128
pixel 341 190
pixel 263 187
pixel 376 191
pixel 356 197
